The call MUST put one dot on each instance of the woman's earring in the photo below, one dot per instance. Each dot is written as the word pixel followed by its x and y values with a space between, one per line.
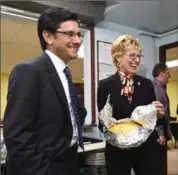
pixel 118 64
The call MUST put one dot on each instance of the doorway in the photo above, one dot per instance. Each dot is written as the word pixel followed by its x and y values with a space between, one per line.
pixel 169 55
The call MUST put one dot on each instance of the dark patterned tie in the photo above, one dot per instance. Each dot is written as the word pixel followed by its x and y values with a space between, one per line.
pixel 74 102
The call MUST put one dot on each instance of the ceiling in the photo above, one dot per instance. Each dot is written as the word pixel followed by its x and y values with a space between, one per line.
pixel 158 16
pixel 155 16
pixel 88 12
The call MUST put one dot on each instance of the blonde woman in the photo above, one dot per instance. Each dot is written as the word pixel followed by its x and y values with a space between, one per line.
pixel 128 91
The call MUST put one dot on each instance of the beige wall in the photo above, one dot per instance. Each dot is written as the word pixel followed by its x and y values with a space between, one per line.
pixel 172 90
pixel 4 86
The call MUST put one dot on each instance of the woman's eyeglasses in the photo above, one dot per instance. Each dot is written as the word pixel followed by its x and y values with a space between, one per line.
pixel 134 56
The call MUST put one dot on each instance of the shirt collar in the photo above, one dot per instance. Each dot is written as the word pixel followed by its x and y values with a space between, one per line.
pixel 56 61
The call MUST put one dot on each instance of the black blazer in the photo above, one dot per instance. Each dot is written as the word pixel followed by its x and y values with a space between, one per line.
pixel 37 123
pixel 143 95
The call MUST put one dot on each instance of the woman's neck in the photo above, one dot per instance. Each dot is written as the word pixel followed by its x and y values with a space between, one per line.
pixel 123 72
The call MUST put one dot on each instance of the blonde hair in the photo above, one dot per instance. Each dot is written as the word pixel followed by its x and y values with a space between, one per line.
pixel 120 45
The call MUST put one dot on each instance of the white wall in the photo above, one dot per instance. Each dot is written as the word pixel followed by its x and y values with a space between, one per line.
pixel 87 76
pixel 117 28
pixel 149 53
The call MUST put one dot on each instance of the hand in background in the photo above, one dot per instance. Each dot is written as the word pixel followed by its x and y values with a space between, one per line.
pixel 160 108
pixel 162 140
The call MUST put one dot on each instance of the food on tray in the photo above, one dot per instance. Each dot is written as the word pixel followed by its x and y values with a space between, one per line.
pixel 124 128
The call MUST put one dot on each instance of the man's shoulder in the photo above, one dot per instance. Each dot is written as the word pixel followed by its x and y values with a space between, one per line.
pixel 30 65
pixel 31 62
pixel 155 84
pixel 34 60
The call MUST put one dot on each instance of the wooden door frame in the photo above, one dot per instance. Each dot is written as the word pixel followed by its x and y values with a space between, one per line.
pixel 162 51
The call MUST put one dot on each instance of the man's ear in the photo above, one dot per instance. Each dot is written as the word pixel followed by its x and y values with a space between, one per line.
pixel 48 37
pixel 161 74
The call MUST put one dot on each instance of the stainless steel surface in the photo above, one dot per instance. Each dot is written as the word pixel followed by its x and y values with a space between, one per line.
pixel 95 158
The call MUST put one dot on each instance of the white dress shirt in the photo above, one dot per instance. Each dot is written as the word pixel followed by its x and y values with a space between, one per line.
pixel 60 66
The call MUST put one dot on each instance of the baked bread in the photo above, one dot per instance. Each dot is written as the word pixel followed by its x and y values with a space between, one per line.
pixel 124 128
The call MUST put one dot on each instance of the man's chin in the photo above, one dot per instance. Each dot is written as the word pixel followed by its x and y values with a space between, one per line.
pixel 73 57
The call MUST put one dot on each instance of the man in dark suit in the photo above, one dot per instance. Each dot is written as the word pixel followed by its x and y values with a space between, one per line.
pixel 43 119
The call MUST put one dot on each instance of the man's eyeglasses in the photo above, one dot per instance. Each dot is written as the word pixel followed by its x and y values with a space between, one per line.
pixel 134 56
pixel 70 34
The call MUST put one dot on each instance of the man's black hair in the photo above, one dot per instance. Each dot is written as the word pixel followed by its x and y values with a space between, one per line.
pixel 51 19
pixel 158 68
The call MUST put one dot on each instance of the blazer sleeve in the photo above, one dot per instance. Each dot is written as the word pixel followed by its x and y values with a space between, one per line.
pixel 161 123
pixel 102 94
pixel 19 120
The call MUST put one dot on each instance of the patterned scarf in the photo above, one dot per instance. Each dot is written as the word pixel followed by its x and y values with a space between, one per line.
pixel 127 85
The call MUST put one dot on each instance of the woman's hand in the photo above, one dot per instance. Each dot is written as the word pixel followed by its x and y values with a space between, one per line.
pixel 160 108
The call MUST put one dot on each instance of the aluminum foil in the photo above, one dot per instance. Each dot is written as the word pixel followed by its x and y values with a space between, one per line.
pixel 3 148
pixel 146 114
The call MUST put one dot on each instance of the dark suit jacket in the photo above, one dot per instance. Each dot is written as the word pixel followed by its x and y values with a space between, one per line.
pixel 37 123
pixel 143 95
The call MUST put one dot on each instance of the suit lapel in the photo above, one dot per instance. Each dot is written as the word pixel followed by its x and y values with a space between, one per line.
pixel 54 78
pixel 117 80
